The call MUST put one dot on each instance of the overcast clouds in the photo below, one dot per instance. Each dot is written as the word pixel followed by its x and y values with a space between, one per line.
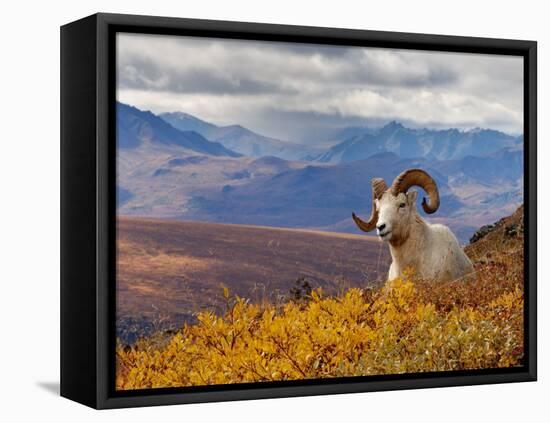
pixel 295 91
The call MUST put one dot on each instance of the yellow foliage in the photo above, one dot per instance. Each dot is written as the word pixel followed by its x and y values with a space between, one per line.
pixel 401 328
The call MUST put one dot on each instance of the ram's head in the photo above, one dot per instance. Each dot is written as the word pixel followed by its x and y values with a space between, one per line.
pixel 394 207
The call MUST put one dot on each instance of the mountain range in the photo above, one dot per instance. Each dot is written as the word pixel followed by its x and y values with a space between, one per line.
pixel 240 139
pixel 136 128
pixel 183 174
pixel 448 144
pixel 323 196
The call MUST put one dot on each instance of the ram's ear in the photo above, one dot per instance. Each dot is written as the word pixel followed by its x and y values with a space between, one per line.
pixel 411 197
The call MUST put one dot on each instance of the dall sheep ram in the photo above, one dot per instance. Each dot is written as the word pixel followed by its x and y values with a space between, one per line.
pixel 431 250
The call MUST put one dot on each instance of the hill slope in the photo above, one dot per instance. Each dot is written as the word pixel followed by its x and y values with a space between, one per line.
pixel 169 270
pixel 407 326
pixel 473 192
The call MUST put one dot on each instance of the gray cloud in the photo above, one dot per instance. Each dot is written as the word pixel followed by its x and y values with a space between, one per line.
pixel 145 73
pixel 293 91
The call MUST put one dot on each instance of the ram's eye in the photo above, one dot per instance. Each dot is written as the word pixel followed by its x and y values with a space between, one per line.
pixel 401 205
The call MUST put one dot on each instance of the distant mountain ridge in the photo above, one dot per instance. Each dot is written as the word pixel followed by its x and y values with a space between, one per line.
pixel 186 122
pixel 448 144
pixel 240 139
pixel 136 128
pixel 354 142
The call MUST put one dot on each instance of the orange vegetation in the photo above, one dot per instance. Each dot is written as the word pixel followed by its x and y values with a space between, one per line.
pixel 406 326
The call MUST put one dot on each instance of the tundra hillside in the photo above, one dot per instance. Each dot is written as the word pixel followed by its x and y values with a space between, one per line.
pixel 408 326
pixel 168 271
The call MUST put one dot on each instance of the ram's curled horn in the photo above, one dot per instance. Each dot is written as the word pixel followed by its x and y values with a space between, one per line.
pixel 420 178
pixel 378 188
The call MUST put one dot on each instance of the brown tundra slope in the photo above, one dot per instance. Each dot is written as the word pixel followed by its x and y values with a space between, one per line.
pixel 167 271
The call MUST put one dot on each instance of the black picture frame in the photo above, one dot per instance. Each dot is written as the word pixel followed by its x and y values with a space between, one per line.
pixel 88 208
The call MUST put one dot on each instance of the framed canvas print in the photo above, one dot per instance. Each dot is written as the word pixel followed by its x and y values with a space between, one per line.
pixel 255 211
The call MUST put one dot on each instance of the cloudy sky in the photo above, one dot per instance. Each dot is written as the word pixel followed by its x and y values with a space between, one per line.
pixel 299 92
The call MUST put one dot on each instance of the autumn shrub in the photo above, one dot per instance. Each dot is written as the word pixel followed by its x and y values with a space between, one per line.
pixel 407 326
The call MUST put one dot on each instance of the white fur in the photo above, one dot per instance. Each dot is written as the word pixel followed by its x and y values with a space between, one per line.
pixel 430 250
